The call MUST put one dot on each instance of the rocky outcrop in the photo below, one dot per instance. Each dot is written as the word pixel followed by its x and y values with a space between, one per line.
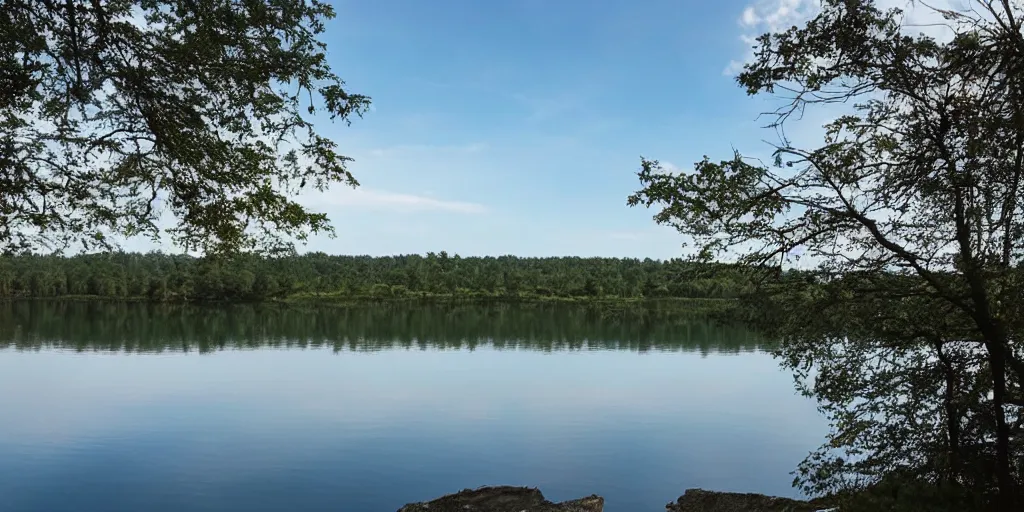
pixel 525 499
pixel 699 500
pixel 504 499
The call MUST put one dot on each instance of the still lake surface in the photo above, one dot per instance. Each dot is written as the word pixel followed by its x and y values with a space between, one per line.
pixel 131 407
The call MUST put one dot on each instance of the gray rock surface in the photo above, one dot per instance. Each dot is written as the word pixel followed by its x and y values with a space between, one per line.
pixel 504 499
pixel 699 500
pixel 526 499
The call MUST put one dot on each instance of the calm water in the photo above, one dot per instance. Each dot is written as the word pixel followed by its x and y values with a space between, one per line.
pixel 245 408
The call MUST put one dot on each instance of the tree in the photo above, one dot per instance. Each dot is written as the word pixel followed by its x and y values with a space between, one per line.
pixel 921 180
pixel 256 277
pixel 115 111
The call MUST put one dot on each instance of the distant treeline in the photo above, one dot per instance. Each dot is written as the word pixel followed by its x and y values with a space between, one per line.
pixel 165 277
pixel 152 327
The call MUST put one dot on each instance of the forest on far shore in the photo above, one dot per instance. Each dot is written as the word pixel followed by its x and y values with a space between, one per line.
pixel 166 277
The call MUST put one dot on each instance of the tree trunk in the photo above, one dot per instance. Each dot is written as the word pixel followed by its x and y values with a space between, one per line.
pixel 952 416
pixel 1007 487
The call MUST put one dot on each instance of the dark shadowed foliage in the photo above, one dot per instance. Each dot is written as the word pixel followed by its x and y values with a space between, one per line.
pixel 318 276
pixel 911 212
pixel 114 112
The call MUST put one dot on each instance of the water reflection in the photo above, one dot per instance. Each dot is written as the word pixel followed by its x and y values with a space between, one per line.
pixel 125 416
pixel 135 327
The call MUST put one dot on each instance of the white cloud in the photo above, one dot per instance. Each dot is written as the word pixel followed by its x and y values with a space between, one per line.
pixel 733 68
pixel 669 168
pixel 749 17
pixel 392 201
pixel 768 16
pixel 406 149
pixel 778 15
pixel 764 16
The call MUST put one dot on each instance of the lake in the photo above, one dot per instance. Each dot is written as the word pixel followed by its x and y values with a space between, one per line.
pixel 129 407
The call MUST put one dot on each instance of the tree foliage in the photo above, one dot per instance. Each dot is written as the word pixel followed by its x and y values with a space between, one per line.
pixel 163 277
pixel 910 210
pixel 115 112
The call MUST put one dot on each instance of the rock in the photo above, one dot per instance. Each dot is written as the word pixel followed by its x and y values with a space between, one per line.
pixel 504 499
pixel 699 500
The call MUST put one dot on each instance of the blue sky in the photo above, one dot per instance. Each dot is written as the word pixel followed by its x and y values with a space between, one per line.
pixel 517 126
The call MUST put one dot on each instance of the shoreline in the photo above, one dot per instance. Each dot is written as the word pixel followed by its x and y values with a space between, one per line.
pixel 527 499
pixel 676 303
